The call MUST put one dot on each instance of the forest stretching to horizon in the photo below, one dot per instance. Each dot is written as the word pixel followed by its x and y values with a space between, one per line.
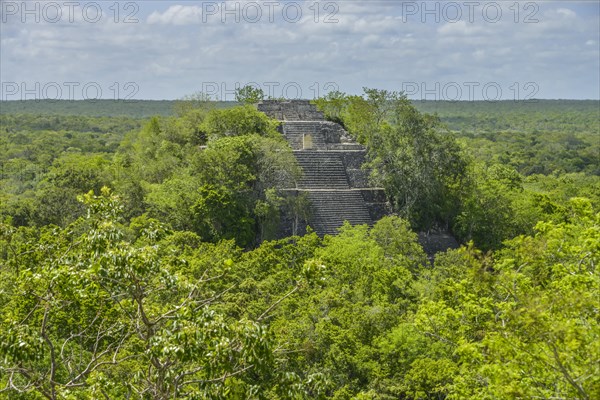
pixel 139 256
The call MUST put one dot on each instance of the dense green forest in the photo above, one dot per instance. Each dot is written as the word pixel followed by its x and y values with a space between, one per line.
pixel 95 108
pixel 139 256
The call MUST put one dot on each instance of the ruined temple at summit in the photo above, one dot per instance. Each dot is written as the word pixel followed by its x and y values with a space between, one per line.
pixel 336 185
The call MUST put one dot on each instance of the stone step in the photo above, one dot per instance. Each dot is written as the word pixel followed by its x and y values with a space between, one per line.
pixel 317 155
pixel 332 208
pixel 300 137
pixel 302 131
pixel 304 127
pixel 308 183
pixel 315 137
pixel 297 141
pixel 299 123
pixel 300 134
pixel 321 170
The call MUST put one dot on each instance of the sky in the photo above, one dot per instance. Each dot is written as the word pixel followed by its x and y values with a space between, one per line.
pixel 433 50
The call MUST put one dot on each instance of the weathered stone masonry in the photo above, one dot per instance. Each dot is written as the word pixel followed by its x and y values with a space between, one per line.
pixel 331 161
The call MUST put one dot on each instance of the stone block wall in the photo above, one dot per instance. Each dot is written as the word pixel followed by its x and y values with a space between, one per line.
pixel 335 183
pixel 357 178
pixel 291 110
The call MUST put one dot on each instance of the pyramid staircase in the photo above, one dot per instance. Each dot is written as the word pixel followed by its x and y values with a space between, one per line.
pixel 321 170
pixel 332 199
pixel 332 207
pixel 296 131
pixel 324 162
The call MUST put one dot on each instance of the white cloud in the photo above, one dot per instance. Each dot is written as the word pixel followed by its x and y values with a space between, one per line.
pixel 460 28
pixel 177 15
pixel 566 13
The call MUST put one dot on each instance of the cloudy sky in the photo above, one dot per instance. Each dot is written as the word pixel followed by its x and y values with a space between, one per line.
pixel 431 50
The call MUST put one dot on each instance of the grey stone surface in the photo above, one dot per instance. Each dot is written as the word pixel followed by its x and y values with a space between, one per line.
pixel 373 195
pixel 331 208
pixel 437 242
pixel 322 170
pixel 357 178
pixel 354 159
pixel 291 110
pixel 377 210
pixel 337 186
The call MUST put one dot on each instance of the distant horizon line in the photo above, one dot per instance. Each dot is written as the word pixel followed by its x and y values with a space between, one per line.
pixel 233 101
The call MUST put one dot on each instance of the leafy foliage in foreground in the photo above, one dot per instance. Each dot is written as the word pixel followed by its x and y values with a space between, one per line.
pixel 90 313
pixel 101 309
